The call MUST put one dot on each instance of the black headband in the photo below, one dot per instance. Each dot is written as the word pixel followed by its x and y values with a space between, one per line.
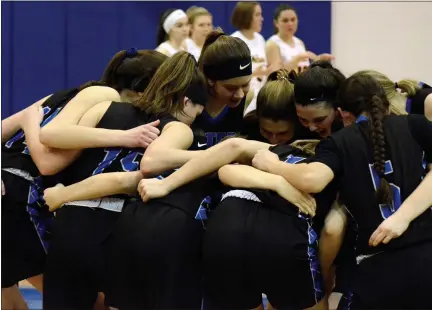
pixel 233 68
pixel 314 96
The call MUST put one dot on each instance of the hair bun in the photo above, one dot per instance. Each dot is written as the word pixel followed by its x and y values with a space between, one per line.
pixel 325 64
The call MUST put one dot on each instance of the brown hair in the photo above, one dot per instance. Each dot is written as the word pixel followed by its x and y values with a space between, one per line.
pixel 167 88
pixel 196 11
pixel 219 48
pixel 276 98
pixel 360 94
pixel 242 14
pixel 278 11
pixel 132 68
pixel 410 87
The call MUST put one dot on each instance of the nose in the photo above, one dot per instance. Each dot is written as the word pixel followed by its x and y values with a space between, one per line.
pixel 239 94
pixel 312 127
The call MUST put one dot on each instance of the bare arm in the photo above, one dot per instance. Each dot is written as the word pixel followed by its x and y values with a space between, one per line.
pixel 51 161
pixel 12 124
pixel 64 132
pixel 273 55
pixel 210 160
pixel 97 186
pixel 168 151
pixel 428 107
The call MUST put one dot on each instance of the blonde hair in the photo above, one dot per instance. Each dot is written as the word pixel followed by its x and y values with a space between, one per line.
pixel 196 11
pixel 407 86
pixel 307 146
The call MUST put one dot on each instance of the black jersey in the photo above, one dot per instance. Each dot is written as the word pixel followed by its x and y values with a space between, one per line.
pixel 416 104
pixel 15 153
pixel 349 154
pixel 119 116
pixel 210 131
pixel 324 199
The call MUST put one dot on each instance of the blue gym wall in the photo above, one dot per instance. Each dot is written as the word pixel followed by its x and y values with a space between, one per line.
pixel 48 46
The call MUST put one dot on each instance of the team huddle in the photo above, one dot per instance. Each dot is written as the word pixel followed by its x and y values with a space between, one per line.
pixel 153 189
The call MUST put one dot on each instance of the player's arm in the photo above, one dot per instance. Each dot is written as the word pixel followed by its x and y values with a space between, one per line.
pixel 64 132
pixel 428 107
pixel 308 177
pixel 12 124
pixel 51 161
pixel 242 176
pixel 273 55
pixel 96 186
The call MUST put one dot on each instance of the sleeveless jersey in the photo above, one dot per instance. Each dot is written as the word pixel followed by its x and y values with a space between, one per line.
pixel 358 180
pixel 209 131
pixel 119 116
pixel 15 153
pixel 416 104
pixel 324 199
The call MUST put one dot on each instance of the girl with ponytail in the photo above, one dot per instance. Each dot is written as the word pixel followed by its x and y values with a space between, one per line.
pixel 405 96
pixel 380 163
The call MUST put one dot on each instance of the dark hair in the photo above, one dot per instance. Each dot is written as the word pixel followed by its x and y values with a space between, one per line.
pixel 219 48
pixel 363 94
pixel 242 14
pixel 319 83
pixel 279 9
pixel 276 98
pixel 161 35
pixel 132 69
pixel 170 83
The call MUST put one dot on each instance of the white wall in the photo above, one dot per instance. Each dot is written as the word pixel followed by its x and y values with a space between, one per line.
pixel 392 37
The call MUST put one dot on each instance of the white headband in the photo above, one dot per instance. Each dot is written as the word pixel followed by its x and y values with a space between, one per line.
pixel 172 19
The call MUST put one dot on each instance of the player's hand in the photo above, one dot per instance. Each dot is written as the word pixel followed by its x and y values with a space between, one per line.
pixel 305 202
pixel 263 159
pixel 325 57
pixel 142 136
pixel 3 189
pixel 33 114
pixel 391 228
pixel 53 197
pixel 151 189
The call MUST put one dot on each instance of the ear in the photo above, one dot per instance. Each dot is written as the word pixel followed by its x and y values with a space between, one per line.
pixel 186 100
pixel 347 117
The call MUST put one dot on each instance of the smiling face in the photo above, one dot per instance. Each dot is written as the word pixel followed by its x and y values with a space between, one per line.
pixel 317 117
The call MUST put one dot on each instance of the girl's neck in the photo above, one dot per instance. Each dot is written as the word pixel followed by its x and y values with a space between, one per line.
pixel 176 44
pixel 214 107
pixel 127 95
pixel 198 40
pixel 248 33
pixel 287 38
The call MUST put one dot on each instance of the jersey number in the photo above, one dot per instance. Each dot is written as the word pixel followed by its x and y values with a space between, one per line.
pixel 387 210
pixel 129 163
pixel 20 134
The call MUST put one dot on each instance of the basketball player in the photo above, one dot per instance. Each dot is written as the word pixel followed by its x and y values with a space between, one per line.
pixel 227 65
pixel 24 159
pixel 415 97
pixel 384 155
pixel 176 92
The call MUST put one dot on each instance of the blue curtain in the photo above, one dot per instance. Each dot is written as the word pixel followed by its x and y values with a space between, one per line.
pixel 48 46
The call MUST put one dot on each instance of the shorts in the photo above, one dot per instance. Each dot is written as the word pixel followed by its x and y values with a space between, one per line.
pixel 74 272
pixel 250 249
pixel 155 259
pixel 23 255
pixel 398 279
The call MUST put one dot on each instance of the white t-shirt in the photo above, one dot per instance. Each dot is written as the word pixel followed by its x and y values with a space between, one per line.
pixel 169 48
pixel 287 51
pixel 192 48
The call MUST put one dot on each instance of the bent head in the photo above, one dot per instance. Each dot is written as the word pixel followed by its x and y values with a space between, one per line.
pixel 178 88
pixel 315 96
pixel 227 65
pixel 275 108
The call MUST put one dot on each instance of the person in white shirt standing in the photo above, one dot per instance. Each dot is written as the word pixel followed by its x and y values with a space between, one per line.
pixel 200 23
pixel 247 18
pixel 284 48
pixel 172 32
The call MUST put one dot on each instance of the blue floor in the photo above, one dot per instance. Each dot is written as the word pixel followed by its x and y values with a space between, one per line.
pixel 32 297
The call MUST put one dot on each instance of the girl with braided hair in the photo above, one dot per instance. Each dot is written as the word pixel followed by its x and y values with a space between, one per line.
pixel 380 163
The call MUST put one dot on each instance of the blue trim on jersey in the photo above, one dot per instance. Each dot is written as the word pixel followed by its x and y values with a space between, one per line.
pixel 313 261
pixel 216 119
pixel 203 210
pixel 346 301
pixel 361 118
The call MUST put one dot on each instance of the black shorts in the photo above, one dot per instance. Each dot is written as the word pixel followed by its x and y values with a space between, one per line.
pixel 155 259
pixel 23 255
pixel 249 249
pixel 74 272
pixel 397 279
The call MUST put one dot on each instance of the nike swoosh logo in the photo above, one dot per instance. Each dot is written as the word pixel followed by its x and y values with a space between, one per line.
pixel 243 67
pixel 201 145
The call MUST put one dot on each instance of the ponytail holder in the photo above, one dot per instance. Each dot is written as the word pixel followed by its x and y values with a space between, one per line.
pixel 132 52
pixel 396 85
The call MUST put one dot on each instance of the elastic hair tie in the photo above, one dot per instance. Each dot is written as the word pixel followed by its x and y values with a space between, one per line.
pixel 132 52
